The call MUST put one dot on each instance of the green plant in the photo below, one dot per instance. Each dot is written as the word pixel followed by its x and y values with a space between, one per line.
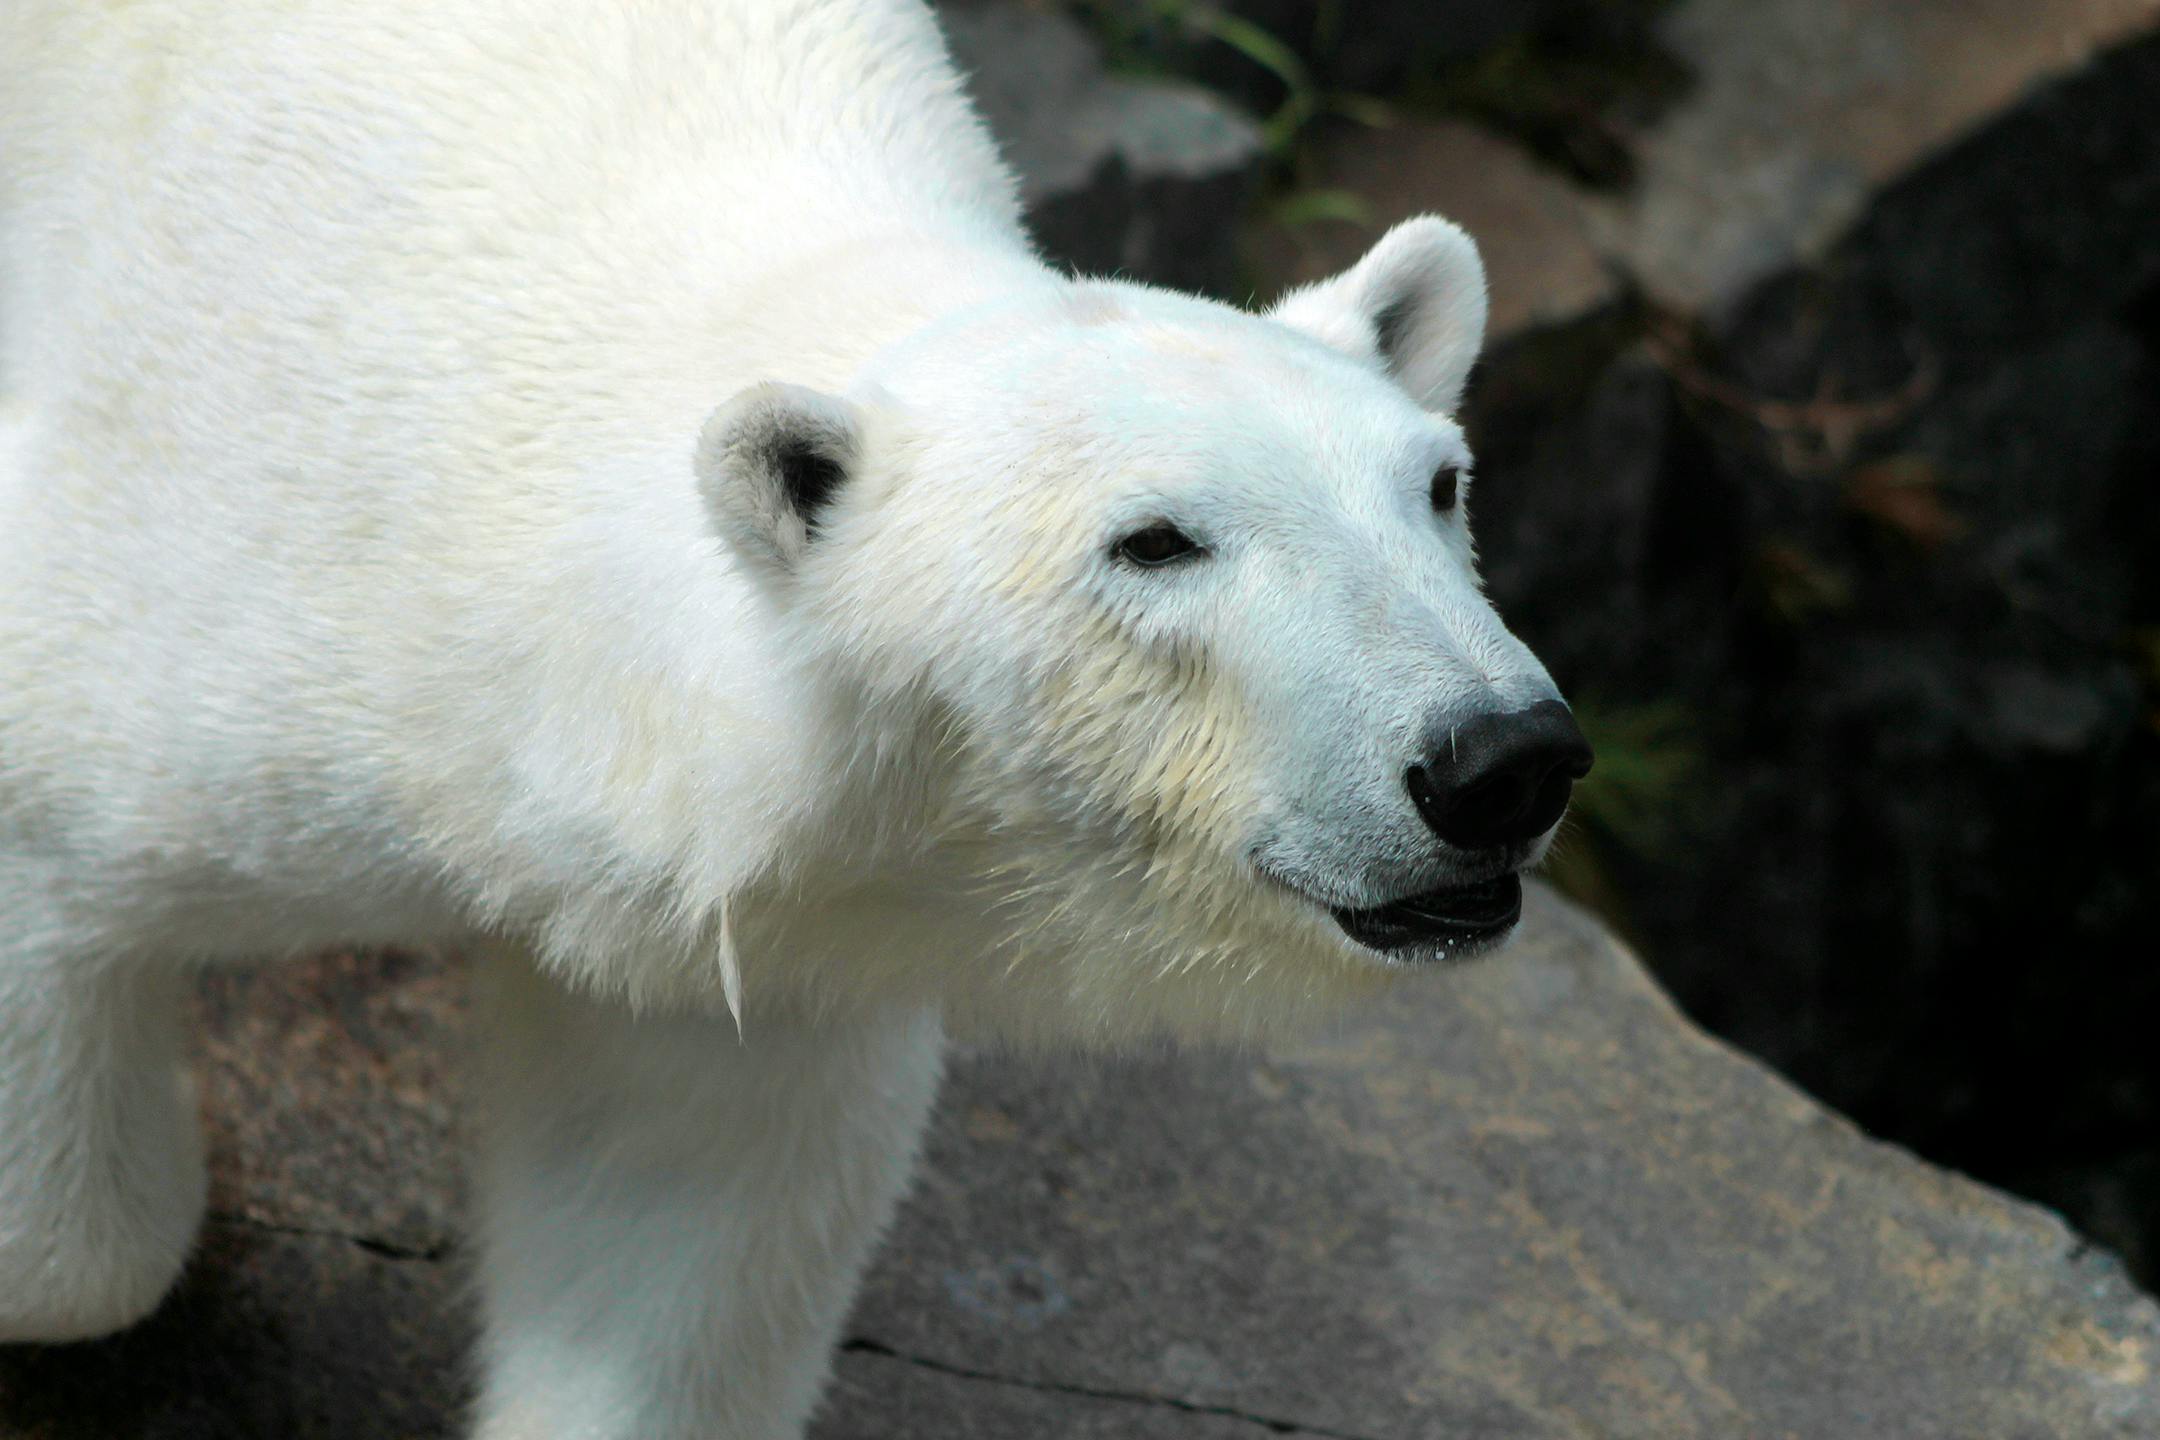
pixel 1639 799
pixel 1139 33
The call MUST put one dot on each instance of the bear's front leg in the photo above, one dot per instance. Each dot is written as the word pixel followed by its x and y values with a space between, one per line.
pixel 673 1216
pixel 101 1159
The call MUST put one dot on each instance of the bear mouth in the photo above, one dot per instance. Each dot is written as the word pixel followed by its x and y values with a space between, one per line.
pixel 1449 922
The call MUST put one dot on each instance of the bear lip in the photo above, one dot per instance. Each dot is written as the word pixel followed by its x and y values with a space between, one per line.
pixel 1450 920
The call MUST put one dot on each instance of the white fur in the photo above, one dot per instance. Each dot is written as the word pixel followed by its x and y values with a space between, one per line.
pixel 640 1278
pixel 363 579
pixel 1425 275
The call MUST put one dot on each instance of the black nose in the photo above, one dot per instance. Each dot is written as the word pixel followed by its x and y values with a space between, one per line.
pixel 1501 779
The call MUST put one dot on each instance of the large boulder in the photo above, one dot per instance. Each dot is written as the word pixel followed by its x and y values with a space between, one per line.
pixel 1881 524
pixel 1526 1199
pixel 1802 112
pixel 1140 177
pixel 1796 117
pixel 1817 464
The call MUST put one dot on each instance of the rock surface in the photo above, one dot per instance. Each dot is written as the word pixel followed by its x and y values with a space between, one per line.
pixel 1525 1200
pixel 1138 177
pixel 1878 531
pixel 1798 114
pixel 1841 413
pixel 1802 110
pixel 1532 225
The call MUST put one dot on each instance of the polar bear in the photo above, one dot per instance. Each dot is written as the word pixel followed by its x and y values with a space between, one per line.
pixel 608 487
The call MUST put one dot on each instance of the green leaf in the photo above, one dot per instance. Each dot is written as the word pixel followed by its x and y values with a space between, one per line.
pixel 1305 207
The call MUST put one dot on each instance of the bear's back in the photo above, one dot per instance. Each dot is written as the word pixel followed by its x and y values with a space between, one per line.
pixel 347 349
pixel 356 182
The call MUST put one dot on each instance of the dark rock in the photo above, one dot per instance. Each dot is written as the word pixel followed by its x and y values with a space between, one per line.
pixel 1374 51
pixel 1129 176
pixel 1882 528
pixel 2114 1197
pixel 1802 113
pixel 1522 1200
pixel 1566 78
pixel 1798 116
pixel 270 1336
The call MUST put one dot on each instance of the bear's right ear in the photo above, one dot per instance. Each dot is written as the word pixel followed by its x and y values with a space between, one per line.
pixel 1415 303
pixel 771 463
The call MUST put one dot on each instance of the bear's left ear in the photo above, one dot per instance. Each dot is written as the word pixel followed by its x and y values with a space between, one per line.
pixel 770 464
pixel 1415 303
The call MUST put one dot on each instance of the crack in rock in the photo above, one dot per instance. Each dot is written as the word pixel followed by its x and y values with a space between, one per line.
pixel 373 1245
pixel 863 1345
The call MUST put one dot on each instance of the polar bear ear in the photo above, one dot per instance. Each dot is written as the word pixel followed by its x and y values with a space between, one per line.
pixel 771 462
pixel 1415 303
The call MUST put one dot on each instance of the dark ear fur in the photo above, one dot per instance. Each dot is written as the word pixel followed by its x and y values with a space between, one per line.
pixel 771 465
pixel 1415 304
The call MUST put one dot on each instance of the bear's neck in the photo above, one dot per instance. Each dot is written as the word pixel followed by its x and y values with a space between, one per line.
pixel 668 751
pixel 818 318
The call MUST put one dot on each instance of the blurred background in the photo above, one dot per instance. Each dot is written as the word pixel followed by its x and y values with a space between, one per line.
pixel 1817 456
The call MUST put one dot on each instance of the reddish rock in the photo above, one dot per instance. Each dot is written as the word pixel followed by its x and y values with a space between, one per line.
pixel 331 1094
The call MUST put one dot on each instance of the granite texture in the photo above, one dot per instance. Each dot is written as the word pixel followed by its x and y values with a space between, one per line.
pixel 1522 1200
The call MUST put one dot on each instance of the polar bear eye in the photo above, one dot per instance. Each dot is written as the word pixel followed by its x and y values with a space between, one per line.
pixel 1157 545
pixel 1446 487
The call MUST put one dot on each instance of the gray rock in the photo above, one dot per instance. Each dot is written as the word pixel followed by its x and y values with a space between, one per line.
pixel 1799 115
pixel 1135 177
pixel 1527 1200
pixel 1881 534
pixel 1803 110
pixel 1524 1200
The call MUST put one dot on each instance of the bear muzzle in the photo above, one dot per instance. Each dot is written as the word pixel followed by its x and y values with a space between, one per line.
pixel 1500 780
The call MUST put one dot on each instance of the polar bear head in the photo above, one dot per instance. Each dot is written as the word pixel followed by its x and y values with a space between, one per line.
pixel 1206 706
